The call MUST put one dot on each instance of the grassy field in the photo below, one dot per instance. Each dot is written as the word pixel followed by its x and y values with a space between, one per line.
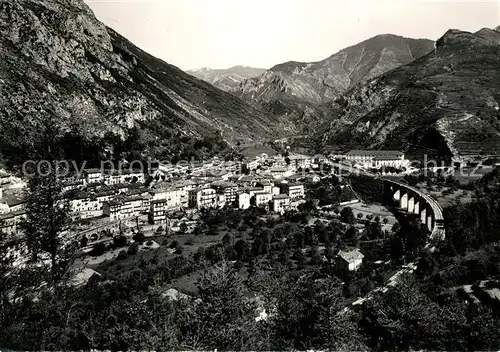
pixel 374 210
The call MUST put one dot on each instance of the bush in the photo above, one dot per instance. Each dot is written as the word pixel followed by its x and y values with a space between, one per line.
pixel 133 249
pixel 98 249
pixel 139 237
pixel 174 244
pixel 120 241
pixel 149 243
pixel 122 255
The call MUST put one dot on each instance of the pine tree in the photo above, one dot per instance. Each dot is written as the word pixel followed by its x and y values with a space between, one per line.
pixel 47 212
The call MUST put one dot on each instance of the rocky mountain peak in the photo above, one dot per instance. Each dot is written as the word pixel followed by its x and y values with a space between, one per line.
pixel 457 40
pixel 56 58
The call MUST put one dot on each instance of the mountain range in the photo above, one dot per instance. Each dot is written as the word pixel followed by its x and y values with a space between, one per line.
pixel 303 92
pixel 226 79
pixel 57 59
pixel 444 104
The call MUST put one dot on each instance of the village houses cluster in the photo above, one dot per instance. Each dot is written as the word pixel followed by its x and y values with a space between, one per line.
pixel 273 182
pixel 117 195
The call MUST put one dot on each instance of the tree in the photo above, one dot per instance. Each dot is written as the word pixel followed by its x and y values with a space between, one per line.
pixel 307 316
pixel 347 215
pixel 360 216
pixel 133 249
pixel 225 319
pixel 385 221
pixel 47 216
pixel 183 227
pixel 242 249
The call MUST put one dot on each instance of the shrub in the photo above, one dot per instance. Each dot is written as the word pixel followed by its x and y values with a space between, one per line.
pixel 120 241
pixel 98 249
pixel 122 255
pixel 139 237
pixel 133 249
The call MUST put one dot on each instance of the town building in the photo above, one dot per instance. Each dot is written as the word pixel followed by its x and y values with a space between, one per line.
pixel 203 197
pixel 158 211
pixel 266 186
pixel 84 206
pixel 11 200
pixel 10 222
pixel 123 208
pixel 93 176
pixel 261 199
pixel 280 203
pixel 171 194
pixel 279 172
pixel 293 190
pixel 229 190
pixel 299 162
pixel 388 161
pixel 244 201
pixel 351 260
pixel 369 158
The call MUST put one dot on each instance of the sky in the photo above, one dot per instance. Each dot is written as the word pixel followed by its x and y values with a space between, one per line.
pixel 192 34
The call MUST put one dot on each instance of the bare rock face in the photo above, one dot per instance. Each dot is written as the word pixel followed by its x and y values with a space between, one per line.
pixel 319 83
pixel 445 104
pixel 56 58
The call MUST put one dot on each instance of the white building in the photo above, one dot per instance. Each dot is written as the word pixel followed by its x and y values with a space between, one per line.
pixel 261 199
pixel 171 195
pixel 244 201
pixel 204 197
pixel 85 206
pixel 293 190
pixel 371 158
pixel 280 203
pixel 93 176
pixel 352 259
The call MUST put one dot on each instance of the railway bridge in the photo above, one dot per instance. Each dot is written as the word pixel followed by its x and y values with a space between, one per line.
pixel 415 201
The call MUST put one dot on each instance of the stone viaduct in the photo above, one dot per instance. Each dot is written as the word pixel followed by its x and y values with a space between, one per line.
pixel 416 202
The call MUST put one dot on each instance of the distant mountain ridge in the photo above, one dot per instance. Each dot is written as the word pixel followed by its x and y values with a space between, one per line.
pixel 302 92
pixel 226 79
pixel 323 81
pixel 444 104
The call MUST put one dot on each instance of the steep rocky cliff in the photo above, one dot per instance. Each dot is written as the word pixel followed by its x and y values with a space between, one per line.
pixel 57 59
pixel 226 79
pixel 446 103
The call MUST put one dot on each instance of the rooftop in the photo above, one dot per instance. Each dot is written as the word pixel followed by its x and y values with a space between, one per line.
pixel 351 256
pixel 13 197
pixel 387 157
pixel 375 153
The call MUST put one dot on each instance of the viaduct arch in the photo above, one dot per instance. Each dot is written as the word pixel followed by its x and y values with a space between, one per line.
pixel 414 201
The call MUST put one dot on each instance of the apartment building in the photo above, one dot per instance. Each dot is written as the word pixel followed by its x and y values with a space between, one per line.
pixel 280 203
pixel 124 208
pixel 85 206
pixel 203 197
pixel 371 158
pixel 229 190
pixel 158 211
pixel 293 190
pixel 261 199
pixel 244 201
